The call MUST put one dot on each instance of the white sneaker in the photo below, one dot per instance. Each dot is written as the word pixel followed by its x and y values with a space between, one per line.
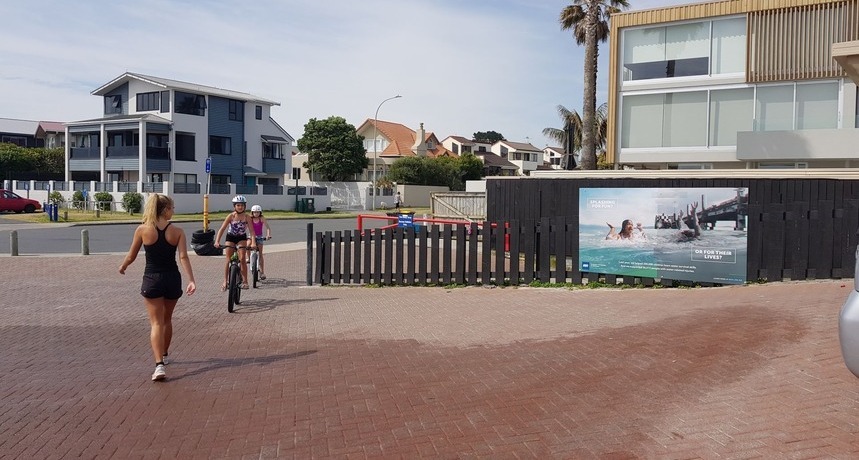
pixel 159 373
pixel 165 359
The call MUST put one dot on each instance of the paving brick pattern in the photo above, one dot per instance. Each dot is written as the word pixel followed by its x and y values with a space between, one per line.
pixel 354 372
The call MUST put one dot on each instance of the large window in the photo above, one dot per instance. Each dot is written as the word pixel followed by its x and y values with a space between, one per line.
pixel 185 178
pixel 165 101
pixel 730 112
pixel 817 106
pixel 113 104
pixel 185 147
pixel 190 104
pixel 712 118
pixel 684 50
pixel 148 101
pixel 685 119
pixel 236 109
pixel 796 106
pixel 272 150
pixel 219 145
pixel 642 121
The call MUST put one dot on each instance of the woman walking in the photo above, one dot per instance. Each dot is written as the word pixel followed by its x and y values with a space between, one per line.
pixel 162 282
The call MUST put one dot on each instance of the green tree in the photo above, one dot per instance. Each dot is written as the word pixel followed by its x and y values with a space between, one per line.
pixel 451 172
pixel 470 167
pixel 334 149
pixel 489 137
pixel 573 127
pixel 588 20
pixel 15 159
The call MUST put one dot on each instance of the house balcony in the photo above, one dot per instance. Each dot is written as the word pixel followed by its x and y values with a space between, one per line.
pixel 800 145
pixel 120 158
pixel 274 165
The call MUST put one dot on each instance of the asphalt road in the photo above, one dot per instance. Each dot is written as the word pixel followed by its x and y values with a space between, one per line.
pixel 44 239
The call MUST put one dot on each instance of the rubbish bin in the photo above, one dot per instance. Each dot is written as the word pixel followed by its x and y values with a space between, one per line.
pixel 299 205
pixel 309 206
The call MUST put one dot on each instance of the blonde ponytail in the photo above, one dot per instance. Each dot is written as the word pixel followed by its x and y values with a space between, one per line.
pixel 155 206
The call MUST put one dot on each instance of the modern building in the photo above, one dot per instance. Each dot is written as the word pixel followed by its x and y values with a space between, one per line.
pixel 735 84
pixel 28 133
pixel 157 130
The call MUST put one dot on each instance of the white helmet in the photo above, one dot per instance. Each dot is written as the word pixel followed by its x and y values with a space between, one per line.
pixel 256 208
pixel 239 199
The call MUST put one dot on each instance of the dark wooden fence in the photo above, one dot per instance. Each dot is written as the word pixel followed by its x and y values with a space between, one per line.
pixel 797 229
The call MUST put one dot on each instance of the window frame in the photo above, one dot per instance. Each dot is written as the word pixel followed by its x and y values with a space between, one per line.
pixel 225 144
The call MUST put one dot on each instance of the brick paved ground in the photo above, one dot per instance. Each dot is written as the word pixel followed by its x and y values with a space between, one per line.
pixel 352 372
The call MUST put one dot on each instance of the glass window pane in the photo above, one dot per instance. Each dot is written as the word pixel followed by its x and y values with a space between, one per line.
pixel 642 121
pixel 730 112
pixel 817 106
pixel 729 46
pixel 774 108
pixel 644 54
pixel 685 119
pixel 687 49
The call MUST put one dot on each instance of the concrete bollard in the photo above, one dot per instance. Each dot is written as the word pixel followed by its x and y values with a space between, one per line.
pixel 13 242
pixel 84 242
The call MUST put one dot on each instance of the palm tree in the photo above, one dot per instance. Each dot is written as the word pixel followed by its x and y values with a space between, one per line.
pixel 588 19
pixel 570 136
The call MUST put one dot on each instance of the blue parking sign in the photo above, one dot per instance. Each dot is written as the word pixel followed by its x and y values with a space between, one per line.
pixel 208 165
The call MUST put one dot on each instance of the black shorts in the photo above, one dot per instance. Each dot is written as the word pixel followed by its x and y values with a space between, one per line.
pixel 167 285
pixel 233 238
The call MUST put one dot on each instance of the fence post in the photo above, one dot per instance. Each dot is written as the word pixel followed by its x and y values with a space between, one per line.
pixel 310 254
pixel 84 242
pixel 13 242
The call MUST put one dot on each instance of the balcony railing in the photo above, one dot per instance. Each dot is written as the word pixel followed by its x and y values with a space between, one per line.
pixel 186 188
pixel 80 153
pixel 274 165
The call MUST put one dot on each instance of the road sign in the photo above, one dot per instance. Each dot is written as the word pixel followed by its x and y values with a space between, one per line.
pixel 208 165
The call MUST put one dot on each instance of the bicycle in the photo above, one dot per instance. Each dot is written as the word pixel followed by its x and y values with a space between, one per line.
pixel 234 283
pixel 253 265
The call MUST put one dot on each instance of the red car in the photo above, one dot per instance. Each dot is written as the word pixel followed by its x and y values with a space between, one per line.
pixel 11 202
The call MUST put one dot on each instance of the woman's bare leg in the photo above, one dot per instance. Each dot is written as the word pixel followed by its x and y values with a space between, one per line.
pixel 169 305
pixel 156 310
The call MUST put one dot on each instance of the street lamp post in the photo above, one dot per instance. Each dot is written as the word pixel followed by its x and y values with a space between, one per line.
pixel 375 146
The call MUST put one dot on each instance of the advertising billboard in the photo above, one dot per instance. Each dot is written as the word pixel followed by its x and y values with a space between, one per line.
pixel 693 234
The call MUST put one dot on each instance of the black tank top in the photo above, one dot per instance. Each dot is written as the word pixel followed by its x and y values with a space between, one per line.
pixel 160 255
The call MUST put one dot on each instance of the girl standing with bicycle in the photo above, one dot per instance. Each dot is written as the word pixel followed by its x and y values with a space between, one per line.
pixel 259 222
pixel 162 282
pixel 240 230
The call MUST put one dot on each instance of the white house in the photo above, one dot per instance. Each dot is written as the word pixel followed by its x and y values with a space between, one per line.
pixel 155 130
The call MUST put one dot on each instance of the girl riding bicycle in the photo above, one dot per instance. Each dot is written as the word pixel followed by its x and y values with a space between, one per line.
pixel 259 222
pixel 240 230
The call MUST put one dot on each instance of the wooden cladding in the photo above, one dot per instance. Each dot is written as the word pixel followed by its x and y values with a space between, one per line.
pixel 796 43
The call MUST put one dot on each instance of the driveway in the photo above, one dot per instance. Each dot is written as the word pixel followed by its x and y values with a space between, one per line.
pixel 336 372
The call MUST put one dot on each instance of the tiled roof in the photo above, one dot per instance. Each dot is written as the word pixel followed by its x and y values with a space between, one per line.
pixel 401 139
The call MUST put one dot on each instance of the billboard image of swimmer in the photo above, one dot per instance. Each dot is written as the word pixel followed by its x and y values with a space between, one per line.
pixel 692 234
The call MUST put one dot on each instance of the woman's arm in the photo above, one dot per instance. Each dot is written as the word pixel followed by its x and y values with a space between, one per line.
pixel 136 242
pixel 249 224
pixel 267 228
pixel 221 230
pixel 186 263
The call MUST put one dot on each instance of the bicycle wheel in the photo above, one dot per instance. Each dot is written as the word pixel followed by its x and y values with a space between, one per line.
pixel 255 267
pixel 235 279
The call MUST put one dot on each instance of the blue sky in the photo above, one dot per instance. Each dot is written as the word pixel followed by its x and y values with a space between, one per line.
pixel 461 66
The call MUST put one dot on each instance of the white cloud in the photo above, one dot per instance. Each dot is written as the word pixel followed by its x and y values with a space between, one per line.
pixel 461 67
